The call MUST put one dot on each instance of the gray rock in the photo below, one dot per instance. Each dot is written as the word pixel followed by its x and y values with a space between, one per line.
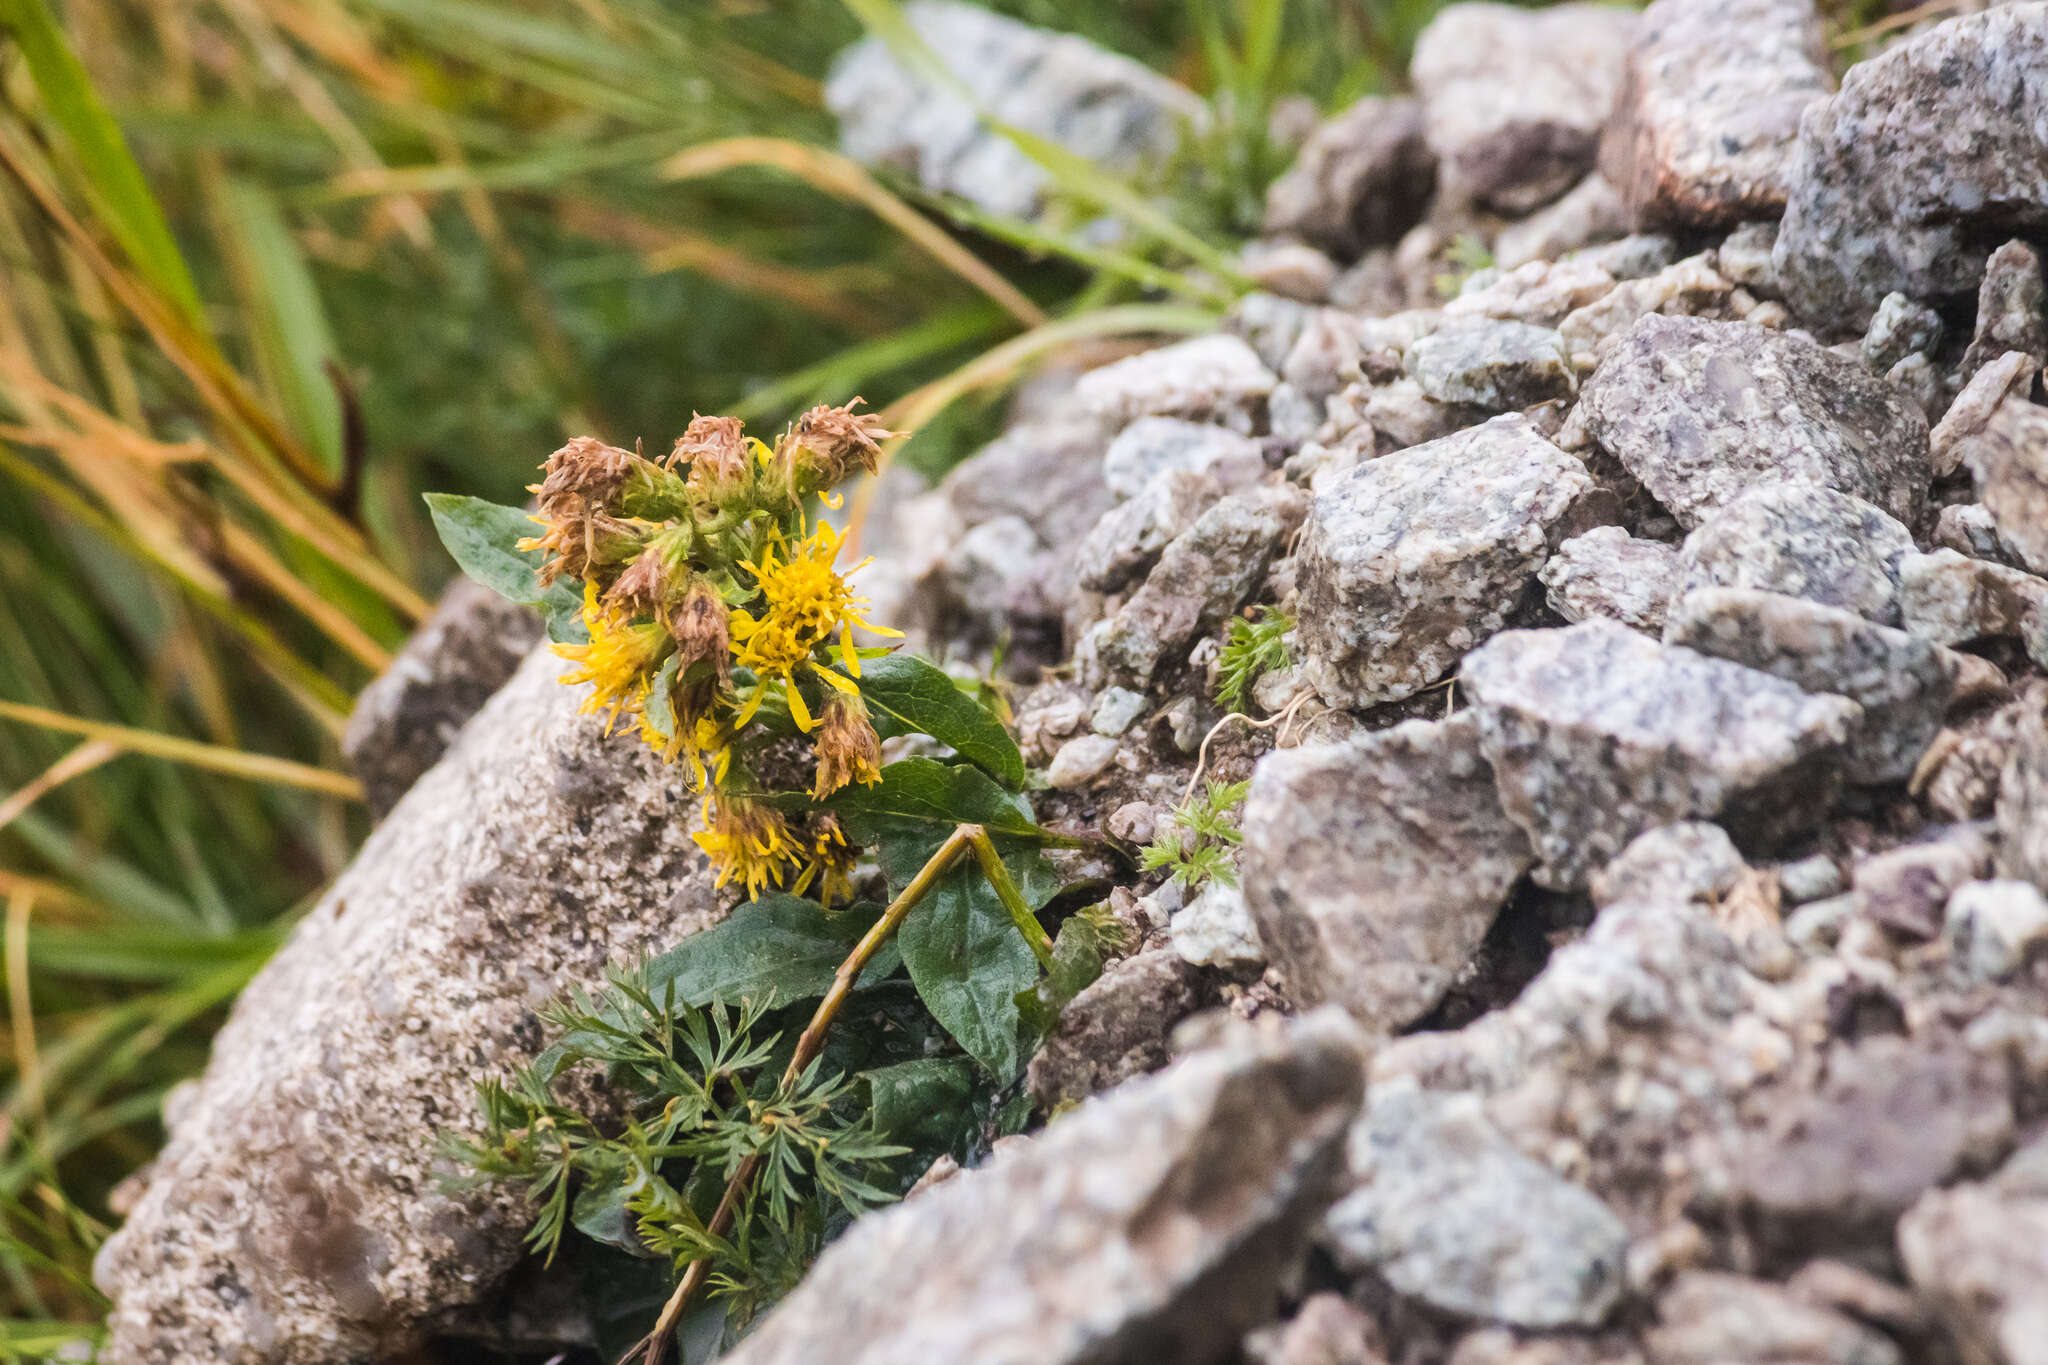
pixel 980 570
pixel 1202 577
pixel 1901 681
pixel 1543 293
pixel 294 1215
pixel 1324 358
pixel 1151 446
pixel 1978 1255
pixel 2022 808
pixel 2012 310
pixel 1410 560
pixel 1374 866
pixel 1744 256
pixel 1702 412
pixel 1116 710
pixel 1215 378
pixel 1806 542
pixel 1693 863
pixel 1707 121
pixel 1492 365
pixel 1688 287
pixel 1810 879
pixel 1448 1212
pixel 1608 573
pixel 1816 927
pixel 1907 889
pixel 1129 539
pixel 1899 328
pixel 1048 473
pixel 1639 256
pixel 1514 99
pixel 1362 179
pixel 1920 383
pixel 1402 415
pixel 1116 1028
pixel 1292 269
pixel 1325 1330
pixel 1216 929
pixel 1993 927
pixel 2008 459
pixel 1096 104
pixel 1597 734
pixel 409 714
pixel 1926 149
pixel 1080 761
pixel 1968 529
pixel 1711 1318
pixel 1152 1224
pixel 2009 376
pixel 1952 599
pixel 1591 212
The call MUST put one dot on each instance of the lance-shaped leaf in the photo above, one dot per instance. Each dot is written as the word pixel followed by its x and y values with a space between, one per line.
pixel 969 964
pixel 779 948
pixel 906 695
pixel 483 537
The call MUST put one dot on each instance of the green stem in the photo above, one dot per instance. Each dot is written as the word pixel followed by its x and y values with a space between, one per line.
pixel 1007 892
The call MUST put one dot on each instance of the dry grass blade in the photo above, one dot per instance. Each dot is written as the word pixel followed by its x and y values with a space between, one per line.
pixel 255 767
pixel 77 763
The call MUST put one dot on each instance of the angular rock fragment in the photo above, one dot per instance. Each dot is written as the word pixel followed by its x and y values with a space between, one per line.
pixel 1591 212
pixel 1597 734
pixel 1515 99
pixel 1901 681
pixel 1047 473
pixel 2008 459
pixel 1130 537
pixel 1216 929
pixel 2012 310
pixel 1202 577
pixel 2022 809
pixel 1607 572
pixel 1907 888
pixel 1448 1212
pixel 1978 1254
pixel 406 719
pixel 1361 180
pixel 2009 376
pixel 1707 121
pixel 1928 150
pixel 1684 864
pixel 1410 560
pixel 1542 293
pixel 1151 446
pixel 1710 1317
pixel 1096 104
pixel 1153 1224
pixel 1215 378
pixel 1702 412
pixel 1690 287
pixel 1374 867
pixel 1899 328
pixel 1115 1029
pixel 1993 927
pixel 1968 529
pixel 1491 365
pixel 295 1214
pixel 1952 599
pixel 1325 1330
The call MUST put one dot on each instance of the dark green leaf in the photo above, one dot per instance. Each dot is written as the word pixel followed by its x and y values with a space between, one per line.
pixel 907 695
pixel 779 946
pixel 610 1180
pixel 923 797
pixel 922 1101
pixel 968 964
pixel 483 537
pixel 1076 962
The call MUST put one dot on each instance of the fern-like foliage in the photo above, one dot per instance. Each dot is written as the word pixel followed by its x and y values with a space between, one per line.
pixel 1254 649
pixel 1199 838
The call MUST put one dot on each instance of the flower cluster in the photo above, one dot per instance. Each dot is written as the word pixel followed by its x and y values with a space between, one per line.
pixel 719 621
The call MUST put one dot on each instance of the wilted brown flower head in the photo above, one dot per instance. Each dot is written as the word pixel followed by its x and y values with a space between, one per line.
pixel 837 440
pixel 586 471
pixel 848 750
pixel 699 626
pixel 715 449
pixel 643 587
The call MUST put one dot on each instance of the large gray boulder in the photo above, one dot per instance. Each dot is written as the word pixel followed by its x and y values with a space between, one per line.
pixel 1155 1223
pixel 1702 412
pixel 295 1215
pixel 1375 866
pixel 1928 159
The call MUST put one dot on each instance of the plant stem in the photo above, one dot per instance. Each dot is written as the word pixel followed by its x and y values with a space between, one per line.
pixel 1013 900
pixel 653 1348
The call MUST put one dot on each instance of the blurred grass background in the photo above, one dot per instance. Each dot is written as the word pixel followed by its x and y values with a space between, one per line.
pixel 272 268
pixel 269 269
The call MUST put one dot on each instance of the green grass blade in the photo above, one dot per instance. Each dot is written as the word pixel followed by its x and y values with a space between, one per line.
pixel 292 339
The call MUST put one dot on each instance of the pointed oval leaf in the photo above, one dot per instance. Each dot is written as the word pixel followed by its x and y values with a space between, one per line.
pixel 780 947
pixel 907 695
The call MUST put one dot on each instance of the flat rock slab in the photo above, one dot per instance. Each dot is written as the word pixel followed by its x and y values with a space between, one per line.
pixel 1374 867
pixel 295 1216
pixel 1152 1224
pixel 1095 103
pixel 1928 159
pixel 1515 99
pixel 1702 412
pixel 1596 734
pixel 1410 560
pixel 1707 121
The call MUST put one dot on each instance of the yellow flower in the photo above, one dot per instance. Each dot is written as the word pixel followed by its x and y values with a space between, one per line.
pixel 751 844
pixel 830 862
pixel 805 604
pixel 618 662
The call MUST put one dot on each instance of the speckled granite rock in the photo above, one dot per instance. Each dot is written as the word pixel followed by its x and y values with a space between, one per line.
pixel 408 716
pixel 1362 179
pixel 1901 681
pixel 1491 365
pixel 1115 1029
pixel 1709 1317
pixel 1707 119
pixel 1150 446
pixel 1597 734
pixel 1691 863
pixel 1412 559
pixel 1607 572
pixel 2012 310
pixel 1215 378
pixel 1928 158
pixel 1515 98
pixel 1702 412
pixel 1374 866
pixel 294 1216
pixel 1130 537
pixel 1978 1253
pixel 1899 328
pixel 2023 796
pixel 1149 1225
pixel 2010 376
pixel 1097 104
pixel 1808 542
pixel 2008 458
pixel 1952 599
